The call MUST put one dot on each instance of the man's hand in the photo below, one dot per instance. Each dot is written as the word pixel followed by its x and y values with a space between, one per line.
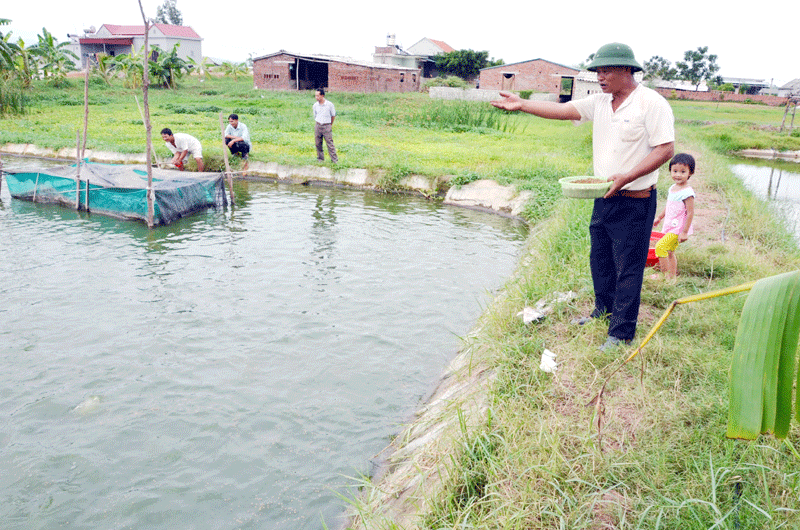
pixel 511 102
pixel 617 181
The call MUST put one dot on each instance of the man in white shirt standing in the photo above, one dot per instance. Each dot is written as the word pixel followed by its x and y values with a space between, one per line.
pixel 324 114
pixel 633 135
pixel 237 139
pixel 181 145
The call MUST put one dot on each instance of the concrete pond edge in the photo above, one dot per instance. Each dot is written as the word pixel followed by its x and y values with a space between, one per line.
pixel 486 195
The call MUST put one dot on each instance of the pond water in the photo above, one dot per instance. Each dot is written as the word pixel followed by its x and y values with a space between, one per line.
pixel 776 182
pixel 233 369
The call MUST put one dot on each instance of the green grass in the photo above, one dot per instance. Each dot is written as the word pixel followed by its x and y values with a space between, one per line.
pixel 732 127
pixel 538 461
pixel 395 132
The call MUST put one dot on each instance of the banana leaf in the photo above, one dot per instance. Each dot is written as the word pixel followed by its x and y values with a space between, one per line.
pixel 763 365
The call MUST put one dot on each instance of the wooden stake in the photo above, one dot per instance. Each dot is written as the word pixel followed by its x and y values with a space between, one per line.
pixel 148 129
pixel 156 158
pixel 225 156
pixel 78 173
pixel 85 111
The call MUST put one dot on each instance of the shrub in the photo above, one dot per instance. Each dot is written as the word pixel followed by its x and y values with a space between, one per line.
pixel 12 100
pixel 449 81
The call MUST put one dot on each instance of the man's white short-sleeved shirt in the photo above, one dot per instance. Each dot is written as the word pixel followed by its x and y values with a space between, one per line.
pixel 185 142
pixel 623 138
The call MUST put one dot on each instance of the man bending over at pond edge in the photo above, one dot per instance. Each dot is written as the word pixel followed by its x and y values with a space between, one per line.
pixel 633 135
pixel 181 145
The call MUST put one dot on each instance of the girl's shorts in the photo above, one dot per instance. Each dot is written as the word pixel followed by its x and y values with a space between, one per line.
pixel 666 244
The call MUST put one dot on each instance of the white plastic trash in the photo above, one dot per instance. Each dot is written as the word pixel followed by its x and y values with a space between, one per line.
pixel 548 363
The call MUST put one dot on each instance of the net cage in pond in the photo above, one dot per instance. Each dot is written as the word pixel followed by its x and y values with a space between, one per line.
pixel 120 191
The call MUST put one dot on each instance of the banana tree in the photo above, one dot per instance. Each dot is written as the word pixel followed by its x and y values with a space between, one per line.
pixel 130 64
pixel 231 69
pixel 167 67
pixel 26 64
pixel 105 68
pixel 57 59
pixel 7 49
pixel 202 67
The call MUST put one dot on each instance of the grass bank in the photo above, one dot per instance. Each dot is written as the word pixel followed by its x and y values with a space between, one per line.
pixel 655 456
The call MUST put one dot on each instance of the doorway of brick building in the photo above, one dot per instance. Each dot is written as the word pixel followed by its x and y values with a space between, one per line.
pixel 508 81
pixel 311 75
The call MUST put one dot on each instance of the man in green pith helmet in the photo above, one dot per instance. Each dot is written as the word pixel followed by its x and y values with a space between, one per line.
pixel 633 135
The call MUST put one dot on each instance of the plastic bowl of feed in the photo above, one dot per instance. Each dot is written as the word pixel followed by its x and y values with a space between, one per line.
pixel 584 187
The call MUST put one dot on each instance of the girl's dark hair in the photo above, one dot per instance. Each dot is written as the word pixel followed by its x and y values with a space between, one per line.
pixel 683 158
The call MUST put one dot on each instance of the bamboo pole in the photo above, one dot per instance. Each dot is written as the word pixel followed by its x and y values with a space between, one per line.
pixel 78 172
pixel 85 110
pixel 156 158
pixel 148 128
pixel 225 156
pixel 785 112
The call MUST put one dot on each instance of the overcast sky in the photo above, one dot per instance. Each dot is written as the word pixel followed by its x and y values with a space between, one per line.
pixel 749 42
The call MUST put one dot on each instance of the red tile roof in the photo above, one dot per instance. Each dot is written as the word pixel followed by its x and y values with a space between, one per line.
pixel 443 45
pixel 167 29
pixel 178 31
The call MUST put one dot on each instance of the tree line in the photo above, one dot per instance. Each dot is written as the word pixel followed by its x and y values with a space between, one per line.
pixel 697 66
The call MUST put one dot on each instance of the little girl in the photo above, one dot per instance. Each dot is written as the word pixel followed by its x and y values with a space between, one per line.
pixel 677 215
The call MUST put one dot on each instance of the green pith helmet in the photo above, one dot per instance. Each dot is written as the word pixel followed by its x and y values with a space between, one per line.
pixel 614 54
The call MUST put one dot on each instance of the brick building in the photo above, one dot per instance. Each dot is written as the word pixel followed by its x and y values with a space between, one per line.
pixel 537 74
pixel 288 71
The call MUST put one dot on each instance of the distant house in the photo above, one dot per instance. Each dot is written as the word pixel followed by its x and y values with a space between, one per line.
pixel 114 40
pixel 538 75
pixel 428 47
pixel 283 70
pixel 746 86
pixel 420 55
pixel 790 89
pixel 585 83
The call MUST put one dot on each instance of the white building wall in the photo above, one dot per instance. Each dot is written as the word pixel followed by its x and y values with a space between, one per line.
pixel 425 47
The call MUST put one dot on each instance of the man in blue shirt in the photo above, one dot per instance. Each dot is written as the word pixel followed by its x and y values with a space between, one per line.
pixel 237 138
